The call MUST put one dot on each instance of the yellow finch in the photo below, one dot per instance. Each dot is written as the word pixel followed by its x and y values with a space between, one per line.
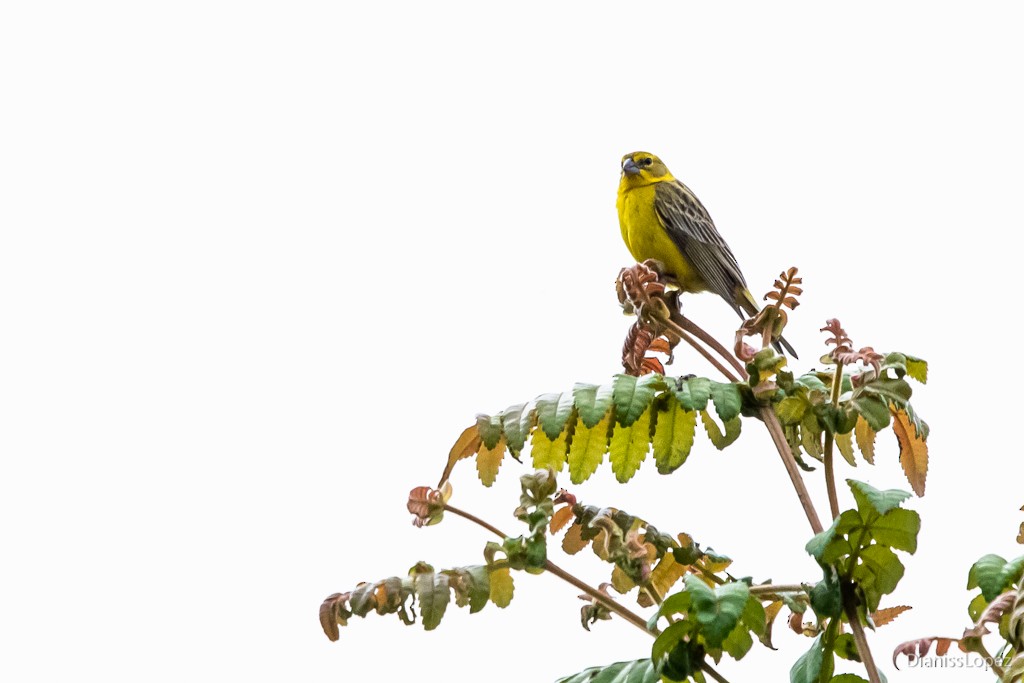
pixel 662 219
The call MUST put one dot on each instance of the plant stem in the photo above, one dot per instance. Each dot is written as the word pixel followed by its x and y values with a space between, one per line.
pixel 771 421
pixel 473 518
pixel 698 332
pixel 983 651
pixel 830 475
pixel 553 568
pixel 775 589
pixel 714 674
pixel 862 643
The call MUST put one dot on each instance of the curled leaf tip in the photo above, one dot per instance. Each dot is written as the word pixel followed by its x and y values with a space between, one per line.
pixel 642 291
pixel 426 504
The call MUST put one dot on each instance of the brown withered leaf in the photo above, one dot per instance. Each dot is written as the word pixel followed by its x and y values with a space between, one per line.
pixel 427 504
pixel 652 366
pixel 915 649
pixel 913 451
pixel 332 613
pixel 888 614
pixel 562 516
pixel 467 444
pixel 992 614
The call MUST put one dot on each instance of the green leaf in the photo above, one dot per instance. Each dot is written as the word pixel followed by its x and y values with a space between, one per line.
pixel 898 529
pixel 874 410
pixel 791 409
pixel 432 592
pixel 632 395
pixel 629 447
pixel 849 678
pixel 889 390
pixel 817 545
pixel 870 498
pixel 673 436
pixel 1012 572
pixel 987 574
pixel 718 611
pixel 677 603
pixel 516 423
pixel 808 668
pixel 813 382
pixel 878 573
pixel 592 402
pixel 693 393
pixel 720 440
pixel 846 647
pixel 480 587
pixel 738 642
pixel 753 620
pixel 917 369
pixel 668 639
pixel 826 596
pixel 490 430
pixel 727 399
pixel 553 411
pixel 587 450
pixel 638 671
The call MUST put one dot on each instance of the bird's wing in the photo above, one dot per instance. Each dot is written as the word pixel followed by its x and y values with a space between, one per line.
pixel 691 228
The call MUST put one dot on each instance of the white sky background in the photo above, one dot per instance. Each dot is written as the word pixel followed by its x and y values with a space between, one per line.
pixel 262 262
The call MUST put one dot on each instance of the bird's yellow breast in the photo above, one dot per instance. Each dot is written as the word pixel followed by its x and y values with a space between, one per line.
pixel 646 238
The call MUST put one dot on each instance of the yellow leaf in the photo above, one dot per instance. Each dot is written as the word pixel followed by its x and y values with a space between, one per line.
pixel 629 447
pixel 913 451
pixel 845 443
pixel 884 616
pixel 673 436
pixel 865 439
pixel 770 612
pixel 718 439
pixel 587 449
pixel 547 453
pixel 562 516
pixel 810 435
pixel 502 587
pixel 467 444
pixel 665 575
pixel 573 541
pixel 488 461
pixel 621 582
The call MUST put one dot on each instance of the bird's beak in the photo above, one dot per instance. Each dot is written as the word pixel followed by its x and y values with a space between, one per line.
pixel 629 167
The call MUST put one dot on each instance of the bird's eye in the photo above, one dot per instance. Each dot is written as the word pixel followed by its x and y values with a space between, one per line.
pixel 647 162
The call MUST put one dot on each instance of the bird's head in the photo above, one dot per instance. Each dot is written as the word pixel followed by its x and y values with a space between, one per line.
pixel 643 168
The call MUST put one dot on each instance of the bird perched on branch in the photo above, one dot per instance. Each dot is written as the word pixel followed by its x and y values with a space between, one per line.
pixel 662 219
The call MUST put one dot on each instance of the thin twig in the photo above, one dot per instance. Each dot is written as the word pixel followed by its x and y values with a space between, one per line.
pixel 473 518
pixel 771 421
pixel 830 475
pixel 775 589
pixel 610 603
pixel 661 315
pixel 698 332
pixel 714 674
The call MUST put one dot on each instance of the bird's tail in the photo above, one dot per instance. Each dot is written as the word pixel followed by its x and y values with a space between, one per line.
pixel 745 303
